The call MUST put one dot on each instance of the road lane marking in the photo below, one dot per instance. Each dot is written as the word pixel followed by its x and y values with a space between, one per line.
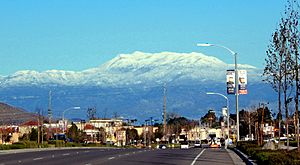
pixel 197 157
pixel 111 158
pixel 37 159
pixel 66 154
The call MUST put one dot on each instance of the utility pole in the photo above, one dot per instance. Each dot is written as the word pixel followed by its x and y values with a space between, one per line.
pixel 165 110
pixel 249 124
pixel 145 134
pixel 42 128
pixel 49 114
pixel 297 102
pixel 262 123
pixel 38 127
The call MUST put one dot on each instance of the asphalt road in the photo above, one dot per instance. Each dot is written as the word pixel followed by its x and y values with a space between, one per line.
pixel 93 156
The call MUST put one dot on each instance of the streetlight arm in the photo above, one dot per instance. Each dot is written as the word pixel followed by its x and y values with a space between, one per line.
pixel 221 46
pixel 232 52
pixel 63 116
pixel 212 93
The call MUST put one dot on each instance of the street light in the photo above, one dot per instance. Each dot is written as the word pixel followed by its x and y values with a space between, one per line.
pixel 227 107
pixel 236 84
pixel 63 115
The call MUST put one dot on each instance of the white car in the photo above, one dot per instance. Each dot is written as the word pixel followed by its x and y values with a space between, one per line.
pixel 184 145
pixel 197 144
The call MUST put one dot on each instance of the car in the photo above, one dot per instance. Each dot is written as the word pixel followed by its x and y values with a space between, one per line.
pixel 162 146
pixel 184 145
pixel 197 144
pixel 215 145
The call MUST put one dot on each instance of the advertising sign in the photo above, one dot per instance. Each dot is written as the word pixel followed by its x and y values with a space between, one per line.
pixel 230 79
pixel 242 82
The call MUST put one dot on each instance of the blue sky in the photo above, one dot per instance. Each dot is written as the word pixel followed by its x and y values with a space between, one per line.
pixel 79 34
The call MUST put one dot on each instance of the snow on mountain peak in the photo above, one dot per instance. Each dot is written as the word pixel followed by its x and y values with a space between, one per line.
pixel 136 68
pixel 141 59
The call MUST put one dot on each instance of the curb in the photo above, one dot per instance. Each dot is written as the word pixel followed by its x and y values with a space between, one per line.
pixel 244 157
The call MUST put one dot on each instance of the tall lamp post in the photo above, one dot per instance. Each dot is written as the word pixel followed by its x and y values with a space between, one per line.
pixel 63 115
pixel 236 84
pixel 227 107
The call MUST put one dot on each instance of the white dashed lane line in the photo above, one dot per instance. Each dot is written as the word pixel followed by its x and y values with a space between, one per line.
pixel 37 159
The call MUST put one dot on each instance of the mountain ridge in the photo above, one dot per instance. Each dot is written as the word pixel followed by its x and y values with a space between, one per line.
pixel 135 68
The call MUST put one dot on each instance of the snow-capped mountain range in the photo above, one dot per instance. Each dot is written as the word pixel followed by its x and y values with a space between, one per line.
pixel 132 86
pixel 136 68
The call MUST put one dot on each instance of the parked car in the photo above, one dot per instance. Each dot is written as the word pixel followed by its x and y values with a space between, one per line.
pixel 161 146
pixel 184 145
pixel 197 144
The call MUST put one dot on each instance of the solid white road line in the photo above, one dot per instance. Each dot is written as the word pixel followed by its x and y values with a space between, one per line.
pixel 66 154
pixel 197 157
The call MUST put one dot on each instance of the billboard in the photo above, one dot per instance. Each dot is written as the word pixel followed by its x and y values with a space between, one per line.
pixel 242 82
pixel 230 80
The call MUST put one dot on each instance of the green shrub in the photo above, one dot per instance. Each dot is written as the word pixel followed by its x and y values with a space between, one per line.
pixel 269 157
pixel 278 157
pixel 72 144
pixel 30 144
pixel 59 143
pixel 4 147
pixel 248 147
pixel 18 145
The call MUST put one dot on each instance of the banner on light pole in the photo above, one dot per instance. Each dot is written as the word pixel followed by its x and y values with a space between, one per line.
pixel 224 112
pixel 230 80
pixel 242 82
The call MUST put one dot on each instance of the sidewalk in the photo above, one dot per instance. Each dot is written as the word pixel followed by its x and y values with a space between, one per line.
pixel 236 159
pixel 219 156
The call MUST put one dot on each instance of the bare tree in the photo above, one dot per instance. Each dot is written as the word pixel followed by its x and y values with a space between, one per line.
pixel 273 71
pixel 281 69
pixel 91 113
pixel 293 26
